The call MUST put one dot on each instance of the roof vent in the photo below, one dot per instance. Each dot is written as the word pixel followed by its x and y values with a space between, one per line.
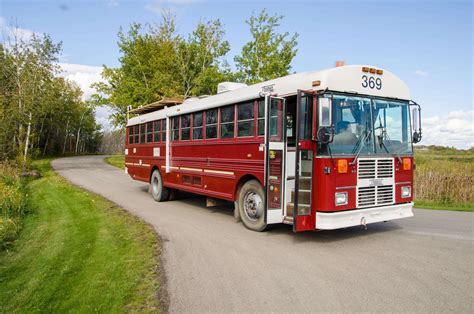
pixel 228 86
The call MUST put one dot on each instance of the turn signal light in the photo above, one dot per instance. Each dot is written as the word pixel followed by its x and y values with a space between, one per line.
pixel 406 164
pixel 342 166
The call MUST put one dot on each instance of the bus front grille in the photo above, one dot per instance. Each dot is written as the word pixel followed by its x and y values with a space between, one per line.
pixel 375 182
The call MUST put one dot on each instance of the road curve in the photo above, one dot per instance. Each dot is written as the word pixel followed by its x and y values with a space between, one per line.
pixel 214 264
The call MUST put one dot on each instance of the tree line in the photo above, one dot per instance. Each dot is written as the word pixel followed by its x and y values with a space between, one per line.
pixel 41 113
pixel 157 62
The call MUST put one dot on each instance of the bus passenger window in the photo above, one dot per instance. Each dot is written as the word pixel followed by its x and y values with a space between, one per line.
pixel 197 126
pixel 142 133
pixel 175 129
pixel 163 130
pixel 211 123
pixel 245 121
pixel 185 127
pixel 156 131
pixel 149 132
pixel 261 117
pixel 136 134
pixel 227 122
pixel 130 135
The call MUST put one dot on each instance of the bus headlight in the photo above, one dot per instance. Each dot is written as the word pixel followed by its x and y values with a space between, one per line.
pixel 406 191
pixel 341 198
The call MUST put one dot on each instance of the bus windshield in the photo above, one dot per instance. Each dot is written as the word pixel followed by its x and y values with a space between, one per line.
pixel 363 125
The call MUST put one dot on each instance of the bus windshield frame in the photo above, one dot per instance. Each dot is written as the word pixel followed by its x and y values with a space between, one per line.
pixel 368 125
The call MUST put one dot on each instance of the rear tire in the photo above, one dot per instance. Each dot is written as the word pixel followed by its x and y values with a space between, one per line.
pixel 157 190
pixel 251 206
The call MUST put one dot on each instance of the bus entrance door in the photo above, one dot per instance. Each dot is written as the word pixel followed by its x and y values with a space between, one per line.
pixel 301 197
pixel 275 157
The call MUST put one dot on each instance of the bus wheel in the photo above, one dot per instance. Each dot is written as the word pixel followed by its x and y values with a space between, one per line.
pixel 158 191
pixel 251 206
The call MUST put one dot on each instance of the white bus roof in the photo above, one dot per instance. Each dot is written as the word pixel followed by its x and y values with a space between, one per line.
pixel 348 79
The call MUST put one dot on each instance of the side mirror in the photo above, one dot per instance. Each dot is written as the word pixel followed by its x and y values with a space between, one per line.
pixel 325 135
pixel 325 112
pixel 416 123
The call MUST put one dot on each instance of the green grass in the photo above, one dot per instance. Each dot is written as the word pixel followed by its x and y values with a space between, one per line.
pixel 79 253
pixel 116 161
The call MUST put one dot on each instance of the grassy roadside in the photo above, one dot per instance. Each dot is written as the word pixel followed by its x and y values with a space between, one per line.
pixel 116 161
pixel 78 252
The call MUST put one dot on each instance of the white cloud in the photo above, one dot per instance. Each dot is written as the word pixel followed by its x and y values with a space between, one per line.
pixel 157 6
pixel 421 73
pixel 454 129
pixel 83 75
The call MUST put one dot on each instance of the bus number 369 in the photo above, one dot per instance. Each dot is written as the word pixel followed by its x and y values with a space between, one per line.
pixel 371 82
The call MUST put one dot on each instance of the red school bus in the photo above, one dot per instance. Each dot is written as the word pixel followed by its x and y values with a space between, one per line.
pixel 317 150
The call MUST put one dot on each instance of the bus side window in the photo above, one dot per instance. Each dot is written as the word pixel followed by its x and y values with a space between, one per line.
pixel 227 121
pixel 142 133
pixel 211 123
pixel 163 130
pixel 261 117
pixel 130 135
pixel 185 127
pixel 175 129
pixel 136 134
pixel 149 132
pixel 245 120
pixel 156 131
pixel 197 126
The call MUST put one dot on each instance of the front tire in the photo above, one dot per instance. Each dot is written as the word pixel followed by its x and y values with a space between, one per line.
pixel 157 190
pixel 251 203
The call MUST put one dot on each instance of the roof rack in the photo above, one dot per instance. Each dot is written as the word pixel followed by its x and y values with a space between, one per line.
pixel 157 105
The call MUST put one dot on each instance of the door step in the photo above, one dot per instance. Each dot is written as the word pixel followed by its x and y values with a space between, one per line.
pixel 290 207
pixel 288 220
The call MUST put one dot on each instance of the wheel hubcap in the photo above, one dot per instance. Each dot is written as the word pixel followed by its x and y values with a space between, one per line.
pixel 155 185
pixel 253 206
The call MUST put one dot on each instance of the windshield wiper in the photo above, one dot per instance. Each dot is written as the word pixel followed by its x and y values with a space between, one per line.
pixel 382 144
pixel 363 141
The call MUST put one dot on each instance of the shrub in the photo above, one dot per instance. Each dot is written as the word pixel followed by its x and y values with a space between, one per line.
pixel 12 204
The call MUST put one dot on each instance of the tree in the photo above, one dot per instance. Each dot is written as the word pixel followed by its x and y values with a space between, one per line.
pixel 269 54
pixel 39 110
pixel 156 62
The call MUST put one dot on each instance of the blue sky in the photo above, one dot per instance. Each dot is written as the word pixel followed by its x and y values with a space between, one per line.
pixel 427 43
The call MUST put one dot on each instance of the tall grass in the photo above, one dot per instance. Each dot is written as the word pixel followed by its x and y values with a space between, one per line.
pixel 12 203
pixel 444 180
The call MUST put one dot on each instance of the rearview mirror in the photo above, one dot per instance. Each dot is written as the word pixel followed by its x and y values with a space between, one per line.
pixel 324 113
pixel 416 123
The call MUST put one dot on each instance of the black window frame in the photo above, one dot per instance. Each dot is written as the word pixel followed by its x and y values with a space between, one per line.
pixel 196 127
pixel 156 131
pixel 213 125
pixel 226 124
pixel 250 121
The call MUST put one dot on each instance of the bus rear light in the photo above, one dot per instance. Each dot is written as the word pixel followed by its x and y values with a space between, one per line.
pixel 342 166
pixel 406 164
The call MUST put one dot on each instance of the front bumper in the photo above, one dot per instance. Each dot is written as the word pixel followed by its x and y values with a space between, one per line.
pixel 357 217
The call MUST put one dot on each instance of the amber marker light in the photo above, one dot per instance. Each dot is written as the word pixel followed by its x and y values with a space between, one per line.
pixel 379 72
pixel 365 69
pixel 406 164
pixel 316 83
pixel 372 70
pixel 342 166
